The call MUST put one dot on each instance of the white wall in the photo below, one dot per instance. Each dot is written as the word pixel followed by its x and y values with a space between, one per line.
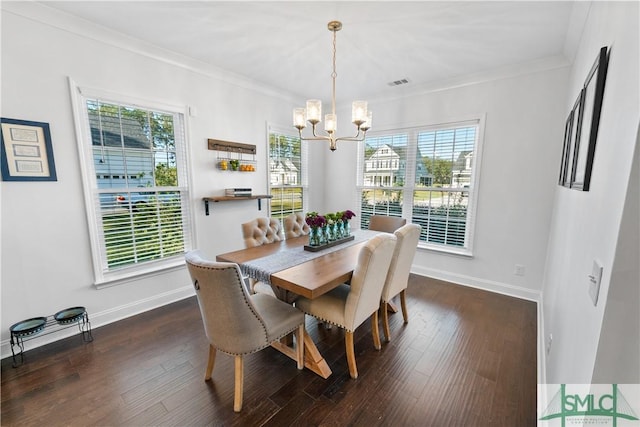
pixel 520 162
pixel 46 261
pixel 618 356
pixel 586 225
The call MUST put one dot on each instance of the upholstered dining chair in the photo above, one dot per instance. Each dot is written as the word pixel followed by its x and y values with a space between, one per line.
pixel 295 225
pixel 261 231
pixel 387 224
pixel 257 232
pixel 396 283
pixel 349 306
pixel 236 322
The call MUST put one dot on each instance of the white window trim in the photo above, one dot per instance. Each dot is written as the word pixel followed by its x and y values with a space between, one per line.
pixel 107 279
pixel 477 119
pixel 304 154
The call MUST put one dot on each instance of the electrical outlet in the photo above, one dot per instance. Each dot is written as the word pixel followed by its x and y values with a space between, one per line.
pixel 519 270
pixel 549 342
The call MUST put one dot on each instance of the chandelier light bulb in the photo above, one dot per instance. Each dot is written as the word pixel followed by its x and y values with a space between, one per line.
pixel 330 123
pixel 358 112
pixel 299 118
pixel 314 111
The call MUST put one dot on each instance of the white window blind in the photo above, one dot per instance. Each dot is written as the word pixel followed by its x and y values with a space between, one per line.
pixel 136 176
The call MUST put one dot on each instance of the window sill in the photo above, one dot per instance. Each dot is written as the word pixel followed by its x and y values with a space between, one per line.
pixel 445 250
pixel 133 274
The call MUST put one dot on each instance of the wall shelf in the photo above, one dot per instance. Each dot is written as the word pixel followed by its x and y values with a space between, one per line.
pixel 231 147
pixel 217 199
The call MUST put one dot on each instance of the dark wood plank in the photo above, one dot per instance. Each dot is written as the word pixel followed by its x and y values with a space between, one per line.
pixel 466 357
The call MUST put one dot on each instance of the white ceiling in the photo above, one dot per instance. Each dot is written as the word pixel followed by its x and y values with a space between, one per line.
pixel 287 45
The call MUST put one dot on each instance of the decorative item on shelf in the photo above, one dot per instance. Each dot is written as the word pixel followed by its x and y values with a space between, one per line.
pixel 235 156
pixel 238 192
pixel 360 116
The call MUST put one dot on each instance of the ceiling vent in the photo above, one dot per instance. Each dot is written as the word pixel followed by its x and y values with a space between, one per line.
pixel 398 82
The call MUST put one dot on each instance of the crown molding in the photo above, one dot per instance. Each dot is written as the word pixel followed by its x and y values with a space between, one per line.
pixel 43 14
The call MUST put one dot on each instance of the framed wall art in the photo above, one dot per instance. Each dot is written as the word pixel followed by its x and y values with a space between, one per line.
pixel 571 140
pixel 584 149
pixel 27 153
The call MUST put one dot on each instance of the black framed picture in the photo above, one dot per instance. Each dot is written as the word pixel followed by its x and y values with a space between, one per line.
pixel 27 154
pixel 571 140
pixel 592 95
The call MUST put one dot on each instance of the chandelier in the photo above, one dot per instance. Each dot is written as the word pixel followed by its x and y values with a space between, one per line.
pixel 360 117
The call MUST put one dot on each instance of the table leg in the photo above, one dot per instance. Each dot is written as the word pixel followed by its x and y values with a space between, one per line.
pixel 312 357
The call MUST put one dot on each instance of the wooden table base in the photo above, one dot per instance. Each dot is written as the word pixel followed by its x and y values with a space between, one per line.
pixel 313 360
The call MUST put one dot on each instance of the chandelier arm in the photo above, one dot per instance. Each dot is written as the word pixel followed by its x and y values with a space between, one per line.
pixel 314 137
pixel 356 138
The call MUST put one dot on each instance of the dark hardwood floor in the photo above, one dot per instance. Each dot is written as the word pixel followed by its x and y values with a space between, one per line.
pixel 466 358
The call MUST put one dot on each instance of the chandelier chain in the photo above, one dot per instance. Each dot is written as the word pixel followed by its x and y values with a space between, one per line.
pixel 334 75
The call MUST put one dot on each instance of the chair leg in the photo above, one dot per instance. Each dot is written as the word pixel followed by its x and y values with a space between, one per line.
pixel 375 331
pixel 351 355
pixel 385 322
pixel 403 302
pixel 212 359
pixel 300 346
pixel 237 398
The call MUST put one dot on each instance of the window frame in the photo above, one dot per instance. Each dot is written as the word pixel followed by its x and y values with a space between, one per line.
pixel 304 173
pixel 407 191
pixel 103 276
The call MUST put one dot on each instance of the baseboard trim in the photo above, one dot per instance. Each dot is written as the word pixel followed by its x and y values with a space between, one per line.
pixel 474 282
pixel 106 317
pixel 542 350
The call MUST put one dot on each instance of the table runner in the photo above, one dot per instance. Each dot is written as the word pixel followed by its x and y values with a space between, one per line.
pixel 261 269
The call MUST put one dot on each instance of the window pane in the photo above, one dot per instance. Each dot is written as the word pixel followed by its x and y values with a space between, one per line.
pixel 379 202
pixel 446 157
pixel 442 215
pixel 286 201
pixel 285 161
pixel 385 161
pixel 142 226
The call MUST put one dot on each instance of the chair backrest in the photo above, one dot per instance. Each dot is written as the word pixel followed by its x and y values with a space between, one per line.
pixel 231 323
pixel 261 231
pixel 295 226
pixel 387 224
pixel 368 279
pixel 407 241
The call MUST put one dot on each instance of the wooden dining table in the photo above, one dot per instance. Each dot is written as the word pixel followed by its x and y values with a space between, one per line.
pixel 309 278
